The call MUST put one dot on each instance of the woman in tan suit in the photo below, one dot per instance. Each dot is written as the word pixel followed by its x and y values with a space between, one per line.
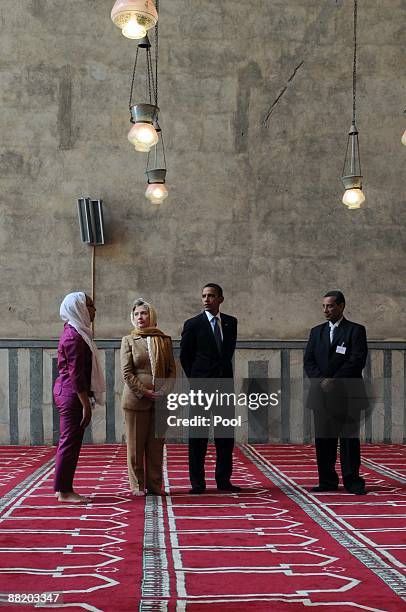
pixel 146 361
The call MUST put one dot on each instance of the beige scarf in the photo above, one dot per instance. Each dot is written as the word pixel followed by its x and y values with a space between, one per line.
pixel 160 343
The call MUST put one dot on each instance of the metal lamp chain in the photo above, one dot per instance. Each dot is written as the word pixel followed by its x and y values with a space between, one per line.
pixel 156 55
pixel 133 78
pixel 354 70
pixel 150 77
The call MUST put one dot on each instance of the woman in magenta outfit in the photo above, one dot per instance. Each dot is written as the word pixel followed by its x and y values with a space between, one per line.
pixel 80 378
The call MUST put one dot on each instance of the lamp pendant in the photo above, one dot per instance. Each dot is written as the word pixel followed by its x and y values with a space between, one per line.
pixel 352 176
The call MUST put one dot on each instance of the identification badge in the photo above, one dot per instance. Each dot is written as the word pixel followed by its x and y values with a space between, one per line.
pixel 341 350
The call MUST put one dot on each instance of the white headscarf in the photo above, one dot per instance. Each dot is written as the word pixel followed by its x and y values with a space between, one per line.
pixel 74 311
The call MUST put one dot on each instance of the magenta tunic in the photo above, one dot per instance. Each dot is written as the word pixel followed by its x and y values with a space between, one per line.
pixel 75 369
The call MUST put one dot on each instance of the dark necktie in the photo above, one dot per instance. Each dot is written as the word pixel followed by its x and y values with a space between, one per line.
pixel 217 334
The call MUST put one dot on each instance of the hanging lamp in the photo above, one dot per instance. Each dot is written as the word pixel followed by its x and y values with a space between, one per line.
pixel 144 115
pixel 157 191
pixel 352 176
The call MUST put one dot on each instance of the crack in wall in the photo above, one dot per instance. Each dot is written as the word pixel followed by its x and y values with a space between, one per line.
pixel 282 92
pixel 312 33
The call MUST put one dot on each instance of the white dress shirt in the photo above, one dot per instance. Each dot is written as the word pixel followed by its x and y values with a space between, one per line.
pixel 332 327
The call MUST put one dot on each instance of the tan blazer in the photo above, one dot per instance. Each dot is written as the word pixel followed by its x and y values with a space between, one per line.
pixel 137 374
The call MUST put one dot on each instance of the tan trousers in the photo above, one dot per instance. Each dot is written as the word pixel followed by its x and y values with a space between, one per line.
pixel 144 451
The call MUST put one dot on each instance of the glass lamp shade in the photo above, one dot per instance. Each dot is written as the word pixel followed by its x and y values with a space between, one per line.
pixel 134 17
pixel 156 193
pixel 353 198
pixel 143 136
pixel 404 138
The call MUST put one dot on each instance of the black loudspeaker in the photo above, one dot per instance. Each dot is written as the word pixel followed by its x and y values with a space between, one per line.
pixel 91 221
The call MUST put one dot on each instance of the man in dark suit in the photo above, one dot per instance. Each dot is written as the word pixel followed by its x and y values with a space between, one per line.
pixel 206 352
pixel 334 359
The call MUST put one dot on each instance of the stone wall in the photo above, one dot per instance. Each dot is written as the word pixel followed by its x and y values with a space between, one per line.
pixel 254 205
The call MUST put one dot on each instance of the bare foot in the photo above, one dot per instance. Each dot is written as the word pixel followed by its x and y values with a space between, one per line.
pixel 73 498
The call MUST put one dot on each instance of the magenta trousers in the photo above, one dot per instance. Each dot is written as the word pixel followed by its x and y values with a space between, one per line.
pixel 70 440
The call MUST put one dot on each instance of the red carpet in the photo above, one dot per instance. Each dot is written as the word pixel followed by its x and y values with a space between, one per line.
pixel 275 546
pixel 90 555
pixel 18 462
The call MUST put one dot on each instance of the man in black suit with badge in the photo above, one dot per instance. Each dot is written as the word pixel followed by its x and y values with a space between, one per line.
pixel 334 359
pixel 206 352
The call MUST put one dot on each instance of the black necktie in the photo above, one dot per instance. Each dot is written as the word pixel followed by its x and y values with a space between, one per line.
pixel 217 334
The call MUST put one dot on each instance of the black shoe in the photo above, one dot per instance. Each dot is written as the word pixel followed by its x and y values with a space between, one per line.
pixel 356 491
pixel 197 490
pixel 229 487
pixel 323 489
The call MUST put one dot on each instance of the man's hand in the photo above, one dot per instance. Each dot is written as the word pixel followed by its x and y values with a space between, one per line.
pixel 326 384
pixel 87 417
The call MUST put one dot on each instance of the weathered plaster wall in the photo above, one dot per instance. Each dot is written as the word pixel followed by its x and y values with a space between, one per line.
pixel 253 206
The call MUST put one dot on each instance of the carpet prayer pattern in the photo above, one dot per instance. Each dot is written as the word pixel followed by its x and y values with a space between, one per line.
pixel 18 463
pixel 90 555
pixel 275 546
